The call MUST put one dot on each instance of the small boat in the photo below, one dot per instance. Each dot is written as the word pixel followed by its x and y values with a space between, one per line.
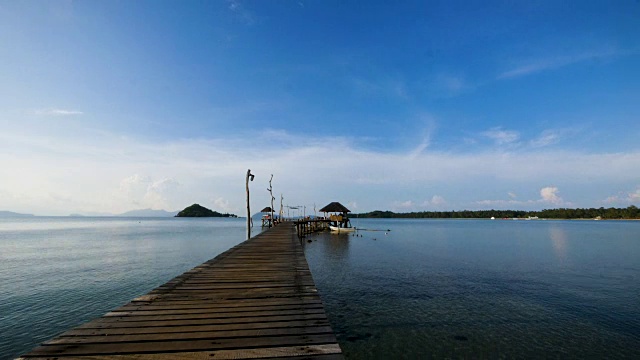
pixel 341 229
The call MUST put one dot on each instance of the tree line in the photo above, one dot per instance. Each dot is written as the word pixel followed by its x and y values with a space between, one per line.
pixel 631 212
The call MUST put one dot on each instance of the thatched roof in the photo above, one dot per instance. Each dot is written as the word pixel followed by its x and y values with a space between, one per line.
pixel 267 209
pixel 335 207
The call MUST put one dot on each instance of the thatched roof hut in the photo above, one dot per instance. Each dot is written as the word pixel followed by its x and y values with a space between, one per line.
pixel 335 207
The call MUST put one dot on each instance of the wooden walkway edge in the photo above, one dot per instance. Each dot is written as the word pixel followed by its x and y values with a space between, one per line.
pixel 257 300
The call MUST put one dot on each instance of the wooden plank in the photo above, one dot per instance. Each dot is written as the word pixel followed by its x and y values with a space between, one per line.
pixel 315 299
pixel 156 310
pixel 256 300
pixel 97 324
pixel 212 335
pixel 222 304
pixel 133 317
pixel 312 352
pixel 175 346
pixel 193 328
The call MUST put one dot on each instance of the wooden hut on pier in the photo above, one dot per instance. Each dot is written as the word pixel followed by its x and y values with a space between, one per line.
pixel 266 218
pixel 338 218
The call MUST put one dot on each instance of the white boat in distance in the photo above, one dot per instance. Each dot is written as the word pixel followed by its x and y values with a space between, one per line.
pixel 340 229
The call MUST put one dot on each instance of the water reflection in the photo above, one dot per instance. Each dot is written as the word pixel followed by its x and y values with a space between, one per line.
pixel 334 246
pixel 559 241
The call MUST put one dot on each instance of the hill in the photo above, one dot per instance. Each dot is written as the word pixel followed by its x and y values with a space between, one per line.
pixel 197 210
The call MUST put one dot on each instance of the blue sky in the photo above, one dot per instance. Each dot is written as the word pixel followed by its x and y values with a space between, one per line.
pixel 109 106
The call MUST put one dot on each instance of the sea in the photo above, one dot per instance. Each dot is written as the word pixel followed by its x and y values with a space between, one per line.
pixel 397 289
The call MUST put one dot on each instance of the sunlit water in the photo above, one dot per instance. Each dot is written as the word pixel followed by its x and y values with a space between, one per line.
pixel 482 288
pixel 426 289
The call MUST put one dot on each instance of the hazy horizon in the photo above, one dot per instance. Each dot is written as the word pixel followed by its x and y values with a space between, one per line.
pixel 414 106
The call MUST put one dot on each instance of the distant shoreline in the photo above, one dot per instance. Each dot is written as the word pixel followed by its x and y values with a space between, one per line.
pixel 629 213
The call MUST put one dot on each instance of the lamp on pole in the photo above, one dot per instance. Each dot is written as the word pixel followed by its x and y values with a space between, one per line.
pixel 250 176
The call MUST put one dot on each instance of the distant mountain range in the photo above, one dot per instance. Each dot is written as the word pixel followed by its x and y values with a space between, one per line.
pixel 149 213
pixel 132 213
pixel 13 214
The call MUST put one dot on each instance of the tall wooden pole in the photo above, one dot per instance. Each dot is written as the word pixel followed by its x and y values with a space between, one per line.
pixel 281 210
pixel 272 198
pixel 249 177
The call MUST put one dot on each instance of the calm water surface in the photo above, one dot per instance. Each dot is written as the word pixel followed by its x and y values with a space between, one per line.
pixel 482 289
pixel 57 273
pixel 426 289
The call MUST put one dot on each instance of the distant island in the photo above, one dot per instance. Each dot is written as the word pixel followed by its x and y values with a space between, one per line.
pixel 631 212
pixel 197 210
pixel 13 214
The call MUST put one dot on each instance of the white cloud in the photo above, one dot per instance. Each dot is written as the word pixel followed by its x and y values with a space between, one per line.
pixel 159 192
pixel 437 200
pixel 113 174
pixel 551 63
pixel 139 191
pixel 512 194
pixel 623 198
pixel 134 183
pixel 501 137
pixel 550 194
pixel 634 196
pixel 612 200
pixel 57 112
pixel 223 205
pixel 504 202
pixel 402 205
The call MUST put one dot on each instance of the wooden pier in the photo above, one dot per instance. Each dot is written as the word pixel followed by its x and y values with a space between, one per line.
pixel 308 226
pixel 254 301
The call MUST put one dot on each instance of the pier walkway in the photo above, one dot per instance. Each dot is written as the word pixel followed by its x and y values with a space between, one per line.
pixel 254 301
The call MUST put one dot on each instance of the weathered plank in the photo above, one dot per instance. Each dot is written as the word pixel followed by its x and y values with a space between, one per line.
pixel 256 300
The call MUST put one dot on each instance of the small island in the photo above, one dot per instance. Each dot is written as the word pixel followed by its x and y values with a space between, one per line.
pixel 197 210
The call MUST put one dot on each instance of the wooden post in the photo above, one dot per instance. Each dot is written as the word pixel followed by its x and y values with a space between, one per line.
pixel 249 176
pixel 272 198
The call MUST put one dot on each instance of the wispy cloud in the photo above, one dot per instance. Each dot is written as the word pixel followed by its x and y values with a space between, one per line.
pixel 243 14
pixel 500 136
pixel 548 137
pixel 429 124
pixel 550 63
pixel 445 85
pixel 450 85
pixel 56 112
pixel 382 87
